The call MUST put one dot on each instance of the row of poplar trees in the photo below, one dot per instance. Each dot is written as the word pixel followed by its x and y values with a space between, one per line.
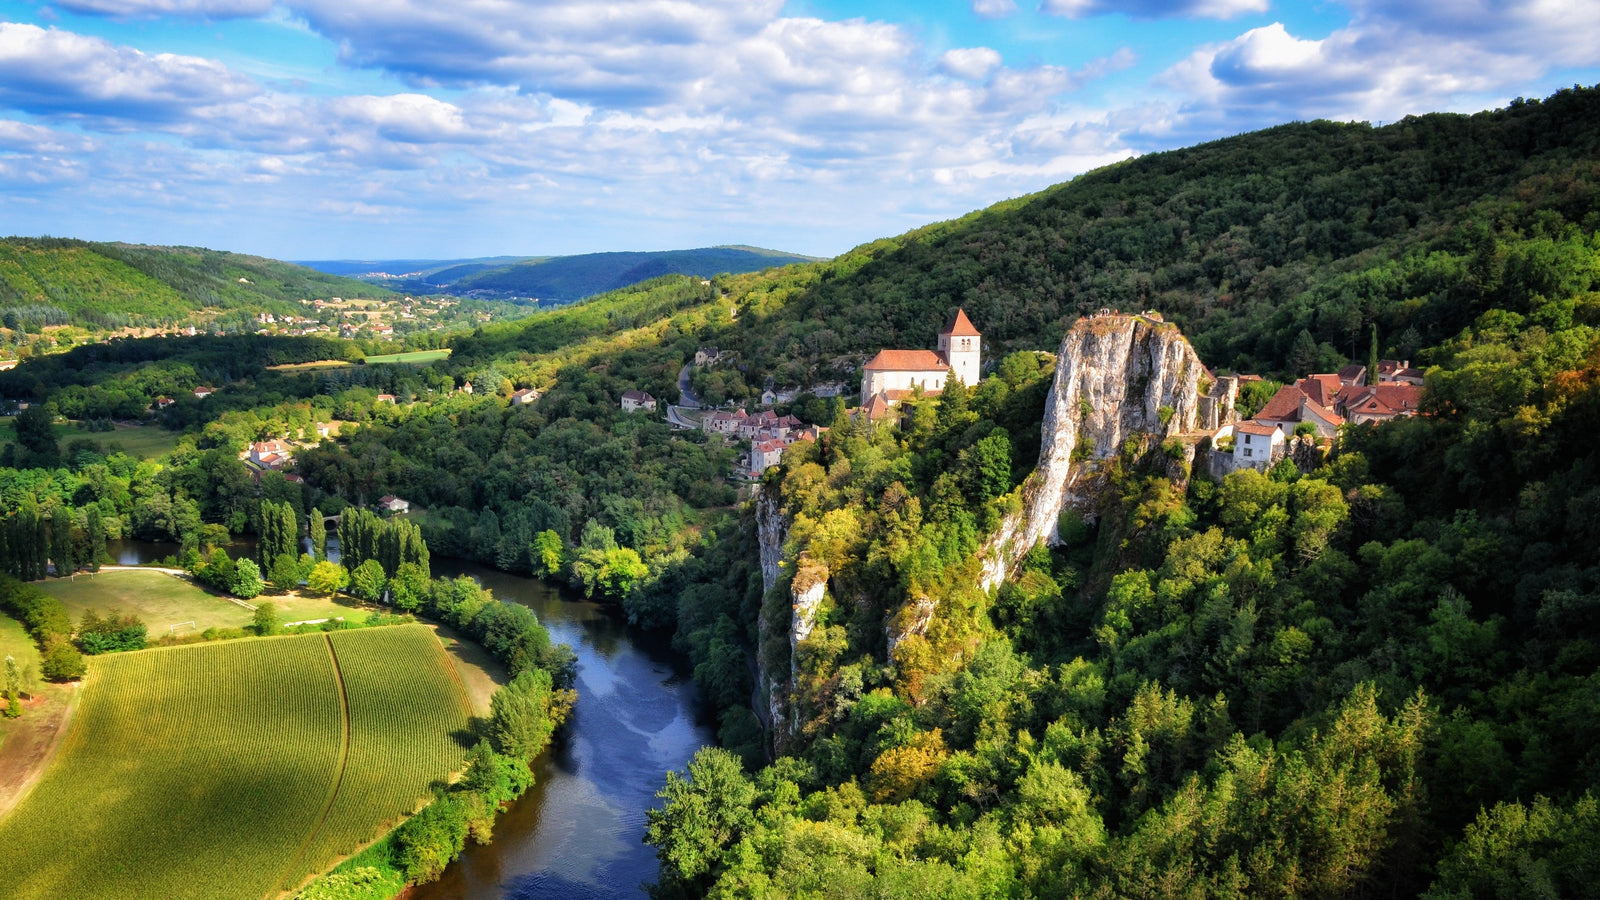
pixel 364 536
pixel 30 541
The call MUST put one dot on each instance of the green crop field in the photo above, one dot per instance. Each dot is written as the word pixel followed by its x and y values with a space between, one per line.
pixel 415 357
pixel 233 770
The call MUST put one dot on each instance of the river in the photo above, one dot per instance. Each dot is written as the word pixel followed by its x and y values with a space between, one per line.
pixel 578 833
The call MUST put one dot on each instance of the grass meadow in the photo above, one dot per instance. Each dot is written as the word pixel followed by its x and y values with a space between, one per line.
pixel 162 601
pixel 235 769
pixel 142 441
pixel 415 357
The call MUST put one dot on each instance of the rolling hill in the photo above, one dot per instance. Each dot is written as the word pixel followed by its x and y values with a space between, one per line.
pixel 55 281
pixel 558 279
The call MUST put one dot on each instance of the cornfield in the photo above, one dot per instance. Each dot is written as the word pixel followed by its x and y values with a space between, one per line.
pixel 236 769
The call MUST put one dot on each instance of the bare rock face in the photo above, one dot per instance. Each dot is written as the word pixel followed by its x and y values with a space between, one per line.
pixel 1116 377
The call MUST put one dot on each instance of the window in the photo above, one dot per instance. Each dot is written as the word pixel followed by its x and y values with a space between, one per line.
pixel 1248 452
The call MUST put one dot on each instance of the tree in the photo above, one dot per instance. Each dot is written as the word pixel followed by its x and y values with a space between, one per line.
pixel 367 581
pixel 61 542
pixel 247 581
pixel 62 661
pixel 704 815
pixel 1372 357
pixel 327 577
pixel 546 552
pixel 286 572
pixel 36 432
pixel 265 620
pixel 13 688
pixel 409 587
pixel 96 532
pixel 1302 354
pixel 319 535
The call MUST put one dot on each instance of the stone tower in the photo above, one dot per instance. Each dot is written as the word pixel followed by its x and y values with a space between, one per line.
pixel 959 345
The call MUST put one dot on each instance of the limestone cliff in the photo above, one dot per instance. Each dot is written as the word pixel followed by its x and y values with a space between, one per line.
pixel 1116 377
pixel 804 593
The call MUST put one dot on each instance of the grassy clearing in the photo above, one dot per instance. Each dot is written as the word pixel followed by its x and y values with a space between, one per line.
pixel 223 770
pixel 415 357
pixel 141 441
pixel 14 641
pixel 161 600
pixel 321 365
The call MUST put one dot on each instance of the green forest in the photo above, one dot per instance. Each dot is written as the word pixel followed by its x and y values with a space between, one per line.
pixel 1374 675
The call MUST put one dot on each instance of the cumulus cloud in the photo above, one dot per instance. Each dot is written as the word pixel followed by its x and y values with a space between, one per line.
pixel 974 63
pixel 1155 9
pixel 55 72
pixel 1391 60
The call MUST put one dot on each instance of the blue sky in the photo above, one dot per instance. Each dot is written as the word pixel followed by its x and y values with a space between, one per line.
pixel 308 129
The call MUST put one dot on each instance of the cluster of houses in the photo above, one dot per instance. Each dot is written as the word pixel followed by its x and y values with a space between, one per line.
pixel 1324 402
pixel 769 435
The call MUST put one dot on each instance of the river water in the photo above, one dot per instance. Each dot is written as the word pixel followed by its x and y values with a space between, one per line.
pixel 578 833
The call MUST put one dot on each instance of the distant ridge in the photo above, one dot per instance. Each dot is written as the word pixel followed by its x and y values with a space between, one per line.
pixel 557 279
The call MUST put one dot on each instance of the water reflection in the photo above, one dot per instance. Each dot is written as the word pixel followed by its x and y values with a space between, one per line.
pixel 578 833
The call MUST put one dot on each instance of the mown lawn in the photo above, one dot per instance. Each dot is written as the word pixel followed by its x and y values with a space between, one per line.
pixel 224 770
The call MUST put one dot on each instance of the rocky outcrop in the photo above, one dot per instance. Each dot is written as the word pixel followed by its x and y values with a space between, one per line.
pixel 1116 377
pixel 805 590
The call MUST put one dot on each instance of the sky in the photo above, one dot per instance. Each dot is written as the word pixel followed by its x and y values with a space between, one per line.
pixel 383 129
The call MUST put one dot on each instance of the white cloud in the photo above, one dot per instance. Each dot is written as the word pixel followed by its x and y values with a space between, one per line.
pixel 1155 9
pixel 1390 61
pixel 994 9
pixel 974 63
pixel 55 72
pixel 21 137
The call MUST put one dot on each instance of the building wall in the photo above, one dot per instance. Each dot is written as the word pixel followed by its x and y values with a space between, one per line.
pixel 965 355
pixel 877 380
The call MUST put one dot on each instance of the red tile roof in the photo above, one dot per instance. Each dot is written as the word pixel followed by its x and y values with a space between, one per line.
pixel 1255 428
pixel 908 361
pixel 961 326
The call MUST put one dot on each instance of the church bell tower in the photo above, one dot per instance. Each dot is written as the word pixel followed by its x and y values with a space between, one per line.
pixel 959 344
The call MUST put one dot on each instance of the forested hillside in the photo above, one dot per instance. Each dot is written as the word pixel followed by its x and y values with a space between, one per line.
pixel 563 279
pixel 56 281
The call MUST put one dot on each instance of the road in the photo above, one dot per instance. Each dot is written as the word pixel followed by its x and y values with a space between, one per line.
pixel 686 397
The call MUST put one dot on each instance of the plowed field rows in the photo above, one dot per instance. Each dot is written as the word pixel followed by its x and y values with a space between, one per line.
pixel 228 770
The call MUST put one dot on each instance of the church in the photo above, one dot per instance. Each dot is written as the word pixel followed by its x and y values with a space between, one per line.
pixel 894 373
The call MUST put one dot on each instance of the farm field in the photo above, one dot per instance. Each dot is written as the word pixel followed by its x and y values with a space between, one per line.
pixel 234 769
pixel 415 357
pixel 142 441
pixel 163 600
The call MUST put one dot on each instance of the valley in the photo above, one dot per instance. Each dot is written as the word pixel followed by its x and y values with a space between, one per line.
pixel 1020 619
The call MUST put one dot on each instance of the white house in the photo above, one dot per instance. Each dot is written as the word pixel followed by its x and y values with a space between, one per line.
pixel 524 397
pixel 635 400
pixel 895 371
pixel 394 504
pixel 1256 444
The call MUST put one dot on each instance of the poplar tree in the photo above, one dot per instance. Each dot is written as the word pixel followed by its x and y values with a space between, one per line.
pixel 319 536
pixel 61 542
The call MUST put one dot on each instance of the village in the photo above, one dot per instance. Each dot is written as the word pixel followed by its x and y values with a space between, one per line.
pixel 1309 410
